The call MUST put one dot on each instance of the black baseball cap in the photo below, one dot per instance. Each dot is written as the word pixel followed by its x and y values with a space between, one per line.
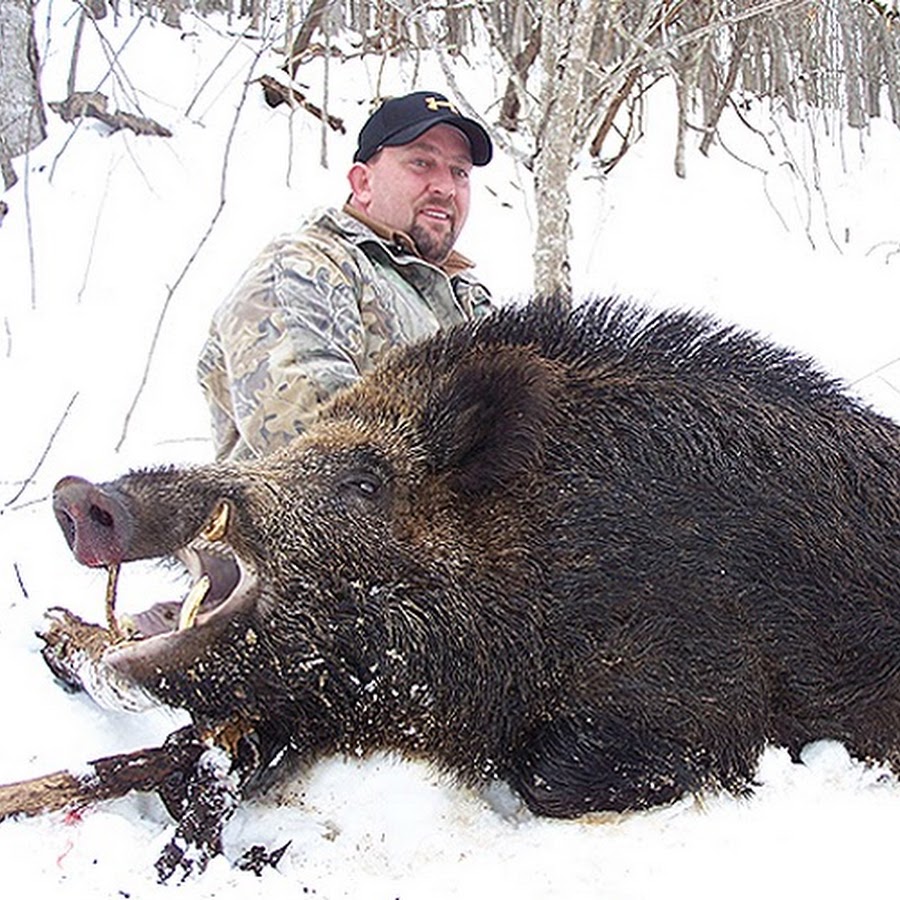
pixel 402 119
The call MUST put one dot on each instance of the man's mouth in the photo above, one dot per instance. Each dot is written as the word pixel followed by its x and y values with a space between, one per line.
pixel 436 214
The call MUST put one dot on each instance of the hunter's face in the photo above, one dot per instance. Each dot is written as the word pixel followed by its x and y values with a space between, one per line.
pixel 421 188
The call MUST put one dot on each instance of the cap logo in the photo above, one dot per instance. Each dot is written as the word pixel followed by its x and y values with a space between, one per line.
pixel 434 105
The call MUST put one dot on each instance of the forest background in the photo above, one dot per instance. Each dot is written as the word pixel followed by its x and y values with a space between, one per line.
pixel 739 158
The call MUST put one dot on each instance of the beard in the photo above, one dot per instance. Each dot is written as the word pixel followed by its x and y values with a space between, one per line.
pixel 433 248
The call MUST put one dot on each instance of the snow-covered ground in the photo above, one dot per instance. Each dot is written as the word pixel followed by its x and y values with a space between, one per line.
pixel 102 227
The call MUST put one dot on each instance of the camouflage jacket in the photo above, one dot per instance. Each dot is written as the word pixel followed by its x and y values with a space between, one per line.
pixel 316 309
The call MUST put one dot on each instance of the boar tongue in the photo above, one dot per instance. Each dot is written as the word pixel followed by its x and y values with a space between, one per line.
pixel 223 574
pixel 161 617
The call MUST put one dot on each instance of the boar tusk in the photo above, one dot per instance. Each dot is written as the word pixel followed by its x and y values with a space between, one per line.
pixel 191 605
pixel 217 524
pixel 112 580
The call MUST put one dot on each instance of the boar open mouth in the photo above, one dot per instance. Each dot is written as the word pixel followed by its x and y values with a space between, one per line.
pixel 215 579
pixel 99 529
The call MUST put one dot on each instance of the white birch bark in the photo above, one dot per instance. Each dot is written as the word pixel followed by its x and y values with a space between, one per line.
pixel 568 27
pixel 22 120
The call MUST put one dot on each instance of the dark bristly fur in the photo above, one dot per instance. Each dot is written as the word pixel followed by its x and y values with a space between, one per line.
pixel 606 555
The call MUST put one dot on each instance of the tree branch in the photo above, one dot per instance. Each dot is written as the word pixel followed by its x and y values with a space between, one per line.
pixel 93 104
pixel 104 779
pixel 40 462
pixel 522 62
pixel 734 65
pixel 264 47
pixel 300 45
pixel 277 93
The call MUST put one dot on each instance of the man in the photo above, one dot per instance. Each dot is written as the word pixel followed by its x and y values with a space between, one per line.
pixel 319 307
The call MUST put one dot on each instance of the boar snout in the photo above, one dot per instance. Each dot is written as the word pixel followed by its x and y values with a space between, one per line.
pixel 96 524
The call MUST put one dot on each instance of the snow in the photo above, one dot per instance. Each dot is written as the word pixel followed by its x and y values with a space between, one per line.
pixel 115 220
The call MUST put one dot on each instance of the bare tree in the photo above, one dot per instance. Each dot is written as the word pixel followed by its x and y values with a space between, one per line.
pixel 22 118
pixel 567 29
pixel 585 88
pixel 578 72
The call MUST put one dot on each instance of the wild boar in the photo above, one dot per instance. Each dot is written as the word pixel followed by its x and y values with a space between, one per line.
pixel 606 555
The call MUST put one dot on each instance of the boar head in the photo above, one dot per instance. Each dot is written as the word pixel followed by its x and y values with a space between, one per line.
pixel 352 587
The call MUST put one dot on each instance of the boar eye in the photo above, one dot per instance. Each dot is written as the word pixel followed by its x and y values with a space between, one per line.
pixel 363 484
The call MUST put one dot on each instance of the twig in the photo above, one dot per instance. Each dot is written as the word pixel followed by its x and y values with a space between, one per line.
pixel 112 56
pixel 189 264
pixel 894 245
pixel 875 371
pixel 40 462
pixel 889 384
pixel 76 49
pixel 62 150
pixel 19 579
pixel 93 246
pixel 26 188
pixel 735 108
pixel 237 40
pixel 771 200
pixel 817 182
pixel 801 180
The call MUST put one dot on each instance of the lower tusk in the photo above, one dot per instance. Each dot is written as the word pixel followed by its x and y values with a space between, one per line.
pixel 191 605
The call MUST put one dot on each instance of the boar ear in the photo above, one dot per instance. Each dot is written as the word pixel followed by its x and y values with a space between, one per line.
pixel 486 421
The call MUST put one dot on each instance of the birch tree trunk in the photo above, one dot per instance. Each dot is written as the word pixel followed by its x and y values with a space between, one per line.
pixel 22 119
pixel 567 27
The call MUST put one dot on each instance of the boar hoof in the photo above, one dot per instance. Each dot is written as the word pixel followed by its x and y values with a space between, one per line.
pixel 69 643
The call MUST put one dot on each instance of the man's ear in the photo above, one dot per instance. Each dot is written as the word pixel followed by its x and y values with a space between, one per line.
pixel 360 178
pixel 486 423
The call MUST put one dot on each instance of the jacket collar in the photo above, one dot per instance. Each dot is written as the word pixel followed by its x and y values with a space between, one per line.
pixel 452 265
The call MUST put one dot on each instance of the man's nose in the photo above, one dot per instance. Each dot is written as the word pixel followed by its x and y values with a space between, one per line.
pixel 442 181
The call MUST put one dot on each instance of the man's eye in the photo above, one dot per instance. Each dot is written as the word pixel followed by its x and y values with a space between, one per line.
pixel 461 174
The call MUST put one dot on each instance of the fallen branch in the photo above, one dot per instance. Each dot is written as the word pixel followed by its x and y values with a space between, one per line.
pixel 104 779
pixel 93 104
pixel 277 93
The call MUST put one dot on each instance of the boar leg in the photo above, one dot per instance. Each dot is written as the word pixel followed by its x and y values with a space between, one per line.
pixel 203 801
pixel 610 762
pixel 210 797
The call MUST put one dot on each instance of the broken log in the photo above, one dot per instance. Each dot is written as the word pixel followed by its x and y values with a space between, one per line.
pixel 151 769
pixel 94 105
